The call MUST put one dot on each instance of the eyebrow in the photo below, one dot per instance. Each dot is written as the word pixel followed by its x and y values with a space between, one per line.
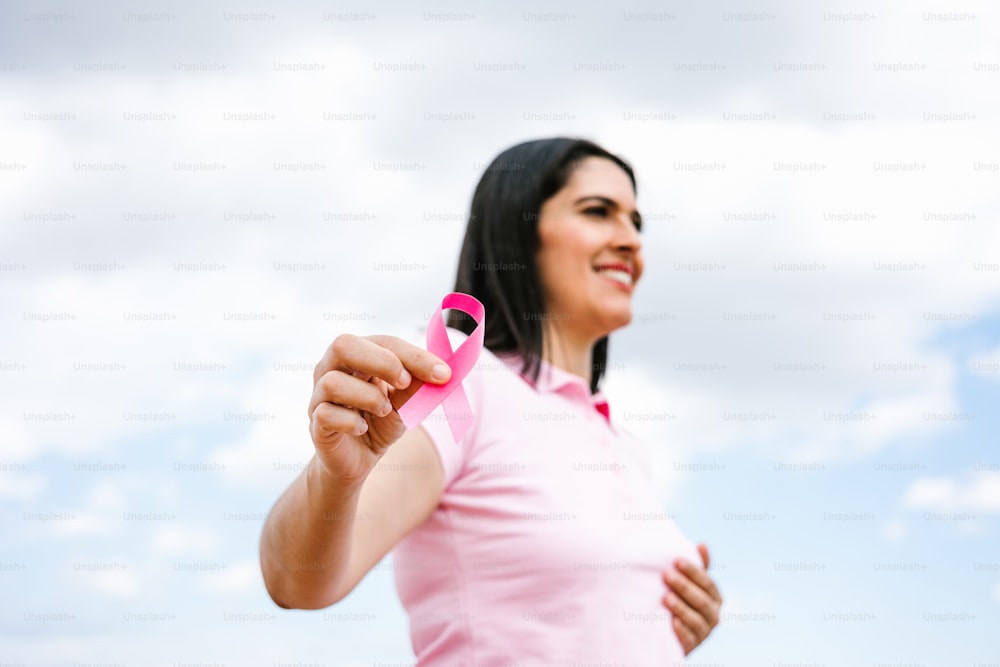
pixel 636 216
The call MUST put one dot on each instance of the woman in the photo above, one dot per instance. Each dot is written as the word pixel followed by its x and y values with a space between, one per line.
pixel 536 539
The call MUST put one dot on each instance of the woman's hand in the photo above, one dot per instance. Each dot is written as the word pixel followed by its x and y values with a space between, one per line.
pixel 693 599
pixel 359 384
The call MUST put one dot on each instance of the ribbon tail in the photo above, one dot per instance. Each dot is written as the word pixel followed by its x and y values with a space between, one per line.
pixel 417 409
pixel 459 413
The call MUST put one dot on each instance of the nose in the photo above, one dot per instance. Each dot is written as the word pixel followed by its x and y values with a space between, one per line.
pixel 626 236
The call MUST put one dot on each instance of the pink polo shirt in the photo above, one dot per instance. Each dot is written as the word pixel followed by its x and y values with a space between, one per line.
pixel 549 543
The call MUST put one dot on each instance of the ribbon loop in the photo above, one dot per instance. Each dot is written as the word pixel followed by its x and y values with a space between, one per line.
pixel 450 394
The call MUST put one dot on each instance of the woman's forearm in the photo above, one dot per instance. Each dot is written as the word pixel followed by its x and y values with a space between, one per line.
pixel 305 546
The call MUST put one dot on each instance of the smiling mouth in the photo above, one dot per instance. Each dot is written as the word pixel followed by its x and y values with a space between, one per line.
pixel 616 272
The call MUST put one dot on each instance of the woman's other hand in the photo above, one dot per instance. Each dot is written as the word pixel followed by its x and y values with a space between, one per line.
pixel 694 600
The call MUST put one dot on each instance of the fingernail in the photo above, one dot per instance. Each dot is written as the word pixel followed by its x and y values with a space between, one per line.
pixel 404 379
pixel 440 372
pixel 362 428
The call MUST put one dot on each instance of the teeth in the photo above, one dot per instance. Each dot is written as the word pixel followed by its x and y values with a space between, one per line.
pixel 622 277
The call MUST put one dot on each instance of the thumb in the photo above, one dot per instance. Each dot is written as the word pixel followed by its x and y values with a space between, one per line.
pixel 703 550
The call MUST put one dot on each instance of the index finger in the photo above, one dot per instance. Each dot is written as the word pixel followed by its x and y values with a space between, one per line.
pixel 419 362
pixel 700 577
pixel 389 358
pixel 703 550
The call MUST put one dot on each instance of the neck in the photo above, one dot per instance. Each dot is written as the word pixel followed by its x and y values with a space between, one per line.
pixel 571 353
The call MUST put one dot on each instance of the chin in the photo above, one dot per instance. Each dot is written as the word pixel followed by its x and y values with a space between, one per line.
pixel 615 321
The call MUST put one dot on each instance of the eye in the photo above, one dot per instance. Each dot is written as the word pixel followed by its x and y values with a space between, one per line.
pixel 599 211
pixel 637 221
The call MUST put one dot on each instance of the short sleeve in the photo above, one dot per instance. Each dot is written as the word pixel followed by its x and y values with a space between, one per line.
pixel 453 454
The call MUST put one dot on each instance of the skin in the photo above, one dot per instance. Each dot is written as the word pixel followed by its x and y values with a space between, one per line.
pixel 593 221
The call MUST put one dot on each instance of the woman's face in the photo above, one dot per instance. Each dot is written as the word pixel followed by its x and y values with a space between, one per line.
pixel 589 254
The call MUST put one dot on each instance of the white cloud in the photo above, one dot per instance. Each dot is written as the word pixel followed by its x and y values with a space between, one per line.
pixel 275 447
pixel 108 496
pixel 877 377
pixel 19 486
pixel 183 539
pixel 83 524
pixel 986 365
pixel 15 435
pixel 239 577
pixel 980 492
pixel 116 584
pixel 894 530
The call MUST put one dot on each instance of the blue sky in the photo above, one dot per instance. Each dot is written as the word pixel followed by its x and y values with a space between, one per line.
pixel 195 200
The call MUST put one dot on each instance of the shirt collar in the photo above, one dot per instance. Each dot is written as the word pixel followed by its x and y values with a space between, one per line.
pixel 552 379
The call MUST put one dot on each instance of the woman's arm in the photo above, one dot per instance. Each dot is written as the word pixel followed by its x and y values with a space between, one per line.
pixel 305 547
pixel 341 513
pixel 322 537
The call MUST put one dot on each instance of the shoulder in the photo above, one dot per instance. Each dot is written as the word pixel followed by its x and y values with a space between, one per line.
pixel 484 388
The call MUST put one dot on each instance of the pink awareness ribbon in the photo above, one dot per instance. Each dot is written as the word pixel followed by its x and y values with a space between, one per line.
pixel 450 394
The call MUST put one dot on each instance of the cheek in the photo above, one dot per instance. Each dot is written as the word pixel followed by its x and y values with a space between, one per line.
pixel 571 264
pixel 563 276
pixel 579 249
pixel 567 257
